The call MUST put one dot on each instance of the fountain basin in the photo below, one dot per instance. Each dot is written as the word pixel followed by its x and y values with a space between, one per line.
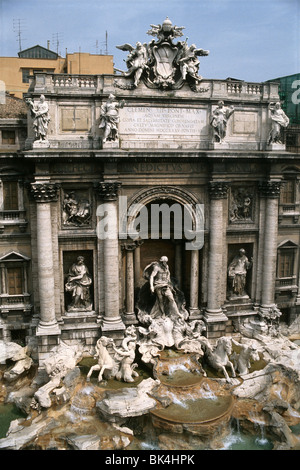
pixel 201 416
pixel 177 370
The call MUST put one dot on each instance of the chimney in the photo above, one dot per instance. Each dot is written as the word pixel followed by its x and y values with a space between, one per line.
pixel 48 44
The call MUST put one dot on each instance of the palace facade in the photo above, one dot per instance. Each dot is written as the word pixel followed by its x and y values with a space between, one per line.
pixel 160 135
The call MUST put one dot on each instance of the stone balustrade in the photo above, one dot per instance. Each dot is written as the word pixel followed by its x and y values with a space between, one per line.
pixel 209 88
pixel 74 81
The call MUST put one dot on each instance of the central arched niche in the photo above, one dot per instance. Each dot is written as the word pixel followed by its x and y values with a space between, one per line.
pixel 174 245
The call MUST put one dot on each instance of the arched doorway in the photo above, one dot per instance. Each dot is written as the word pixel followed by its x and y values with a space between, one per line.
pixel 165 236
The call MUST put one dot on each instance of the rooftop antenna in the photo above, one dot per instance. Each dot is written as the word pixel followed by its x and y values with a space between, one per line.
pixel 105 44
pixel 56 40
pixel 17 27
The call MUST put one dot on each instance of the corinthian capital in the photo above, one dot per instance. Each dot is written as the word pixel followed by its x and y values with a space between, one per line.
pixel 218 189
pixel 44 192
pixel 270 189
pixel 108 190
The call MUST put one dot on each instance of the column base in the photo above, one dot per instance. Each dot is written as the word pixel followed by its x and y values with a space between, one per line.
pixel 215 321
pixel 269 312
pixel 215 315
pixel 112 325
pixel 47 329
pixel 129 318
pixel 195 314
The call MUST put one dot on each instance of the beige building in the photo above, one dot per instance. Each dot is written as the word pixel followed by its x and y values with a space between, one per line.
pixel 15 71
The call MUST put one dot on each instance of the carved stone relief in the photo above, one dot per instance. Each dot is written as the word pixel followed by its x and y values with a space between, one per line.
pixel 76 209
pixel 241 205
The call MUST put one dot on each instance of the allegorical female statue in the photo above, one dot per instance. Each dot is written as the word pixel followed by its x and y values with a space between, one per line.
pixel 110 118
pixel 219 120
pixel 279 120
pixel 41 118
pixel 237 272
pixel 78 283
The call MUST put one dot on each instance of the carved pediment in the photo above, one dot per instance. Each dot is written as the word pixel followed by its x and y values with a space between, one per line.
pixel 287 244
pixel 13 256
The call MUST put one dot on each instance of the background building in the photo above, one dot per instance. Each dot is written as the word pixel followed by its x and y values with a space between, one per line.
pixel 15 71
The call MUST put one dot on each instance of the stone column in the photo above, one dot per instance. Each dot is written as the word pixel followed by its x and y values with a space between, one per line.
pixel 194 285
pixel 137 266
pixel 271 191
pixel 112 322
pixel 214 314
pixel 178 262
pixel 44 193
pixel 3 279
pixel 129 317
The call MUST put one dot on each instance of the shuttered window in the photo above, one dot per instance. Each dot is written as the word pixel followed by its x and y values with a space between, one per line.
pixel 287 194
pixel 14 279
pixel 285 263
pixel 8 137
pixel 10 195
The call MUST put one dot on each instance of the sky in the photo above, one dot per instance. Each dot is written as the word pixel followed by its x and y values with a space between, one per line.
pixel 252 40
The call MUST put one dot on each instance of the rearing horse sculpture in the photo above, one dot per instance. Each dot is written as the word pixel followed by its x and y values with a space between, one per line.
pixel 217 357
pixel 105 362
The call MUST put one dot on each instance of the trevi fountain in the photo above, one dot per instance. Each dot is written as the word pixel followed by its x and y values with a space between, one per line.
pixel 165 386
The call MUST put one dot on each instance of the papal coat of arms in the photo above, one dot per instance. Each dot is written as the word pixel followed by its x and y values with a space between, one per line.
pixel 161 63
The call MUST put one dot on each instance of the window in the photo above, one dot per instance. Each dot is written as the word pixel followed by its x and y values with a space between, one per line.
pixel 285 266
pixel 14 280
pixel 10 195
pixel 8 137
pixel 287 194
pixel 25 75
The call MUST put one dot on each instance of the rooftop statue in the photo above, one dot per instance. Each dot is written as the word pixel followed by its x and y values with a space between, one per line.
pixel 279 120
pixel 219 121
pixel 41 118
pixel 162 63
pixel 110 118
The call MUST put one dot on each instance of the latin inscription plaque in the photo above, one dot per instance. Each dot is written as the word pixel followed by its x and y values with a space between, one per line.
pixel 146 120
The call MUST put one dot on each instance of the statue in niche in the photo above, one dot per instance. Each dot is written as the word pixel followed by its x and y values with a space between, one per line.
pixel 110 118
pixel 136 61
pixel 241 205
pixel 75 211
pixel 41 118
pixel 162 313
pixel 279 120
pixel 219 121
pixel 237 272
pixel 78 283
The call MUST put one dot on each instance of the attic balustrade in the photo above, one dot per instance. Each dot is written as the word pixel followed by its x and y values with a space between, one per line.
pixel 43 82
